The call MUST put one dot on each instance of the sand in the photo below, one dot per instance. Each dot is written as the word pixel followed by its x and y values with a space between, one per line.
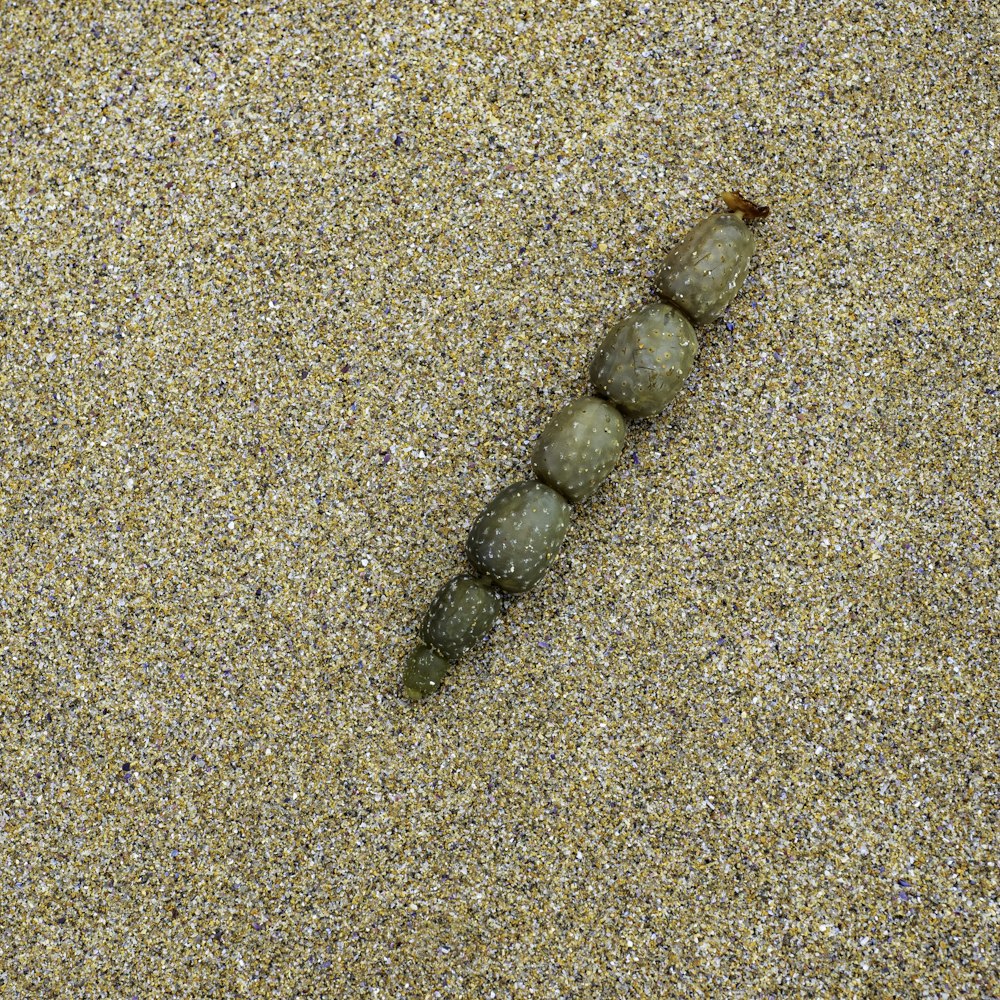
pixel 287 291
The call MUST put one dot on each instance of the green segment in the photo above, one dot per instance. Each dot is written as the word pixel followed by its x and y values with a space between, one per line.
pixel 515 539
pixel 423 673
pixel 706 269
pixel 579 447
pixel 461 614
pixel 643 361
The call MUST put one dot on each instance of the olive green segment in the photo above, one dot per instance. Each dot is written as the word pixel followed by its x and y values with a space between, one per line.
pixel 707 268
pixel 579 447
pixel 461 614
pixel 515 539
pixel 423 673
pixel 643 361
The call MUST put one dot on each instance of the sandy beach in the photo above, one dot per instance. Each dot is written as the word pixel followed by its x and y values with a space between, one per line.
pixel 287 292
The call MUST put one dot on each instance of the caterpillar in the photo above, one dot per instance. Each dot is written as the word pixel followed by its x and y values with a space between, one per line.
pixel 637 370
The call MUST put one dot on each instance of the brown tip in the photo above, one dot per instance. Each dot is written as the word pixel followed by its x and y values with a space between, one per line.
pixel 735 202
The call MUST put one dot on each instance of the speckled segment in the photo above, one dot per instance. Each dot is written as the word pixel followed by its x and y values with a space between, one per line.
pixel 702 273
pixel 423 673
pixel 461 614
pixel 643 361
pixel 579 446
pixel 515 539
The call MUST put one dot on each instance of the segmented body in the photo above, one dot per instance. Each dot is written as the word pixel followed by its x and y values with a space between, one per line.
pixel 638 369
